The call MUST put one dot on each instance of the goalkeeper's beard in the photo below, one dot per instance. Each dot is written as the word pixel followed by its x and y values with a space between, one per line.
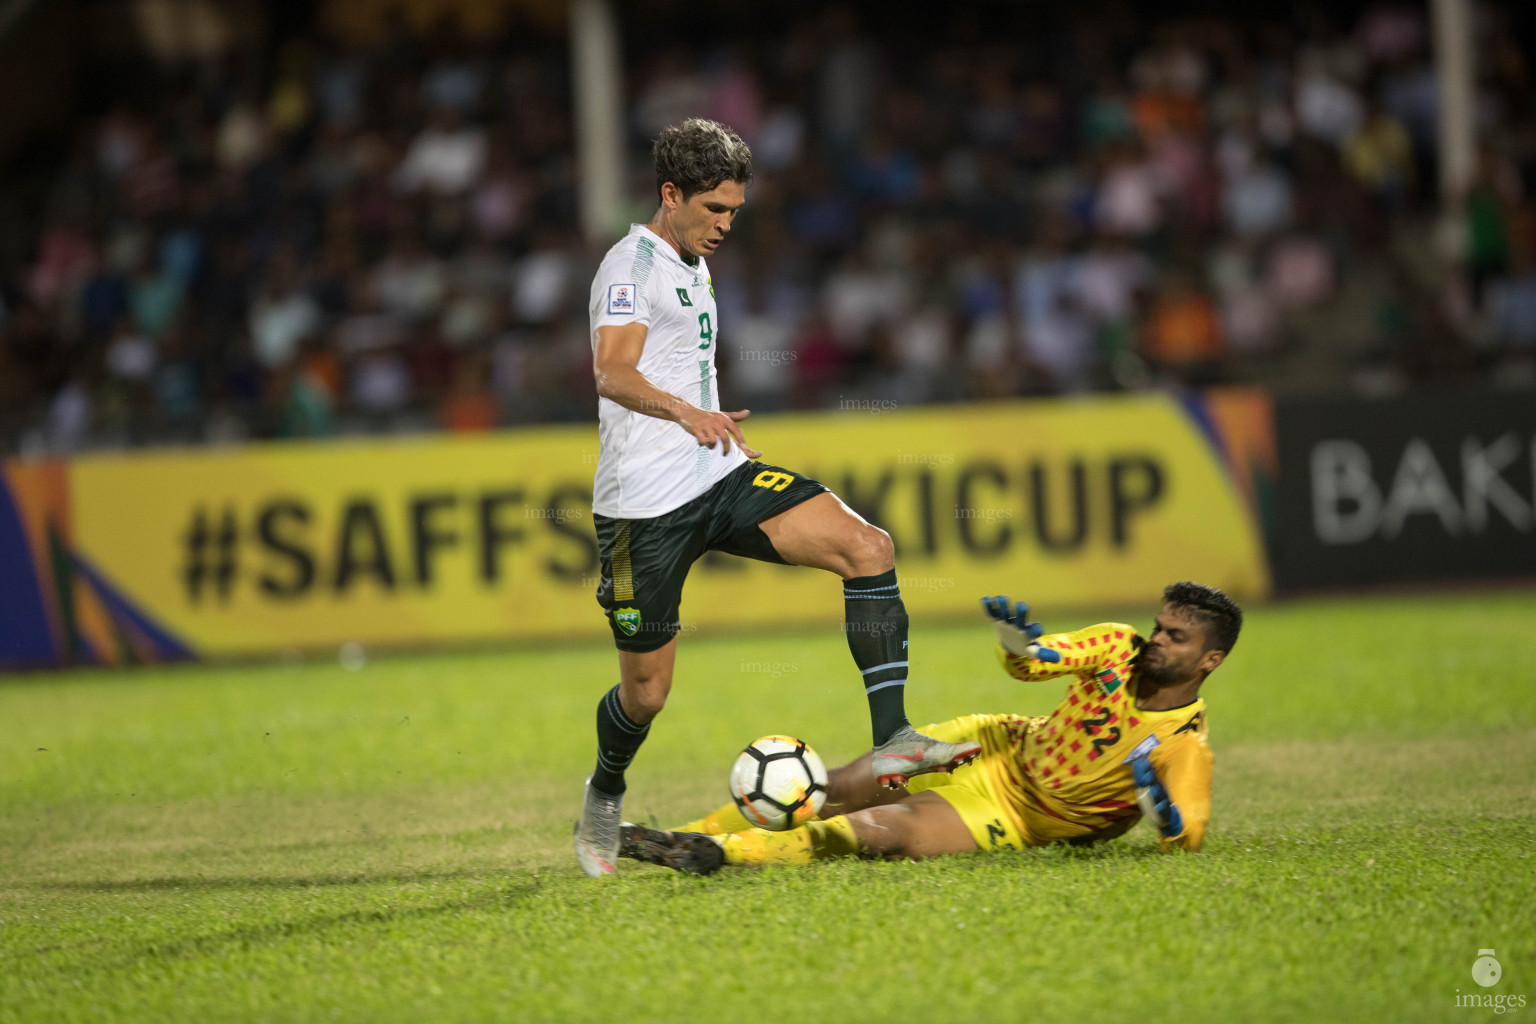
pixel 1160 672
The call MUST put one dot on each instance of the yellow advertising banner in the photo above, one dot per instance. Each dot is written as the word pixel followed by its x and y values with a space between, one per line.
pixel 269 547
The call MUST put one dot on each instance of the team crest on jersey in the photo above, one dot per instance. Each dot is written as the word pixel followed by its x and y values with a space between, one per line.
pixel 1142 749
pixel 627 619
pixel 621 299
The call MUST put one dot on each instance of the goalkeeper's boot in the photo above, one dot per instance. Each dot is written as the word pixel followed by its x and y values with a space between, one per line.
pixel 597 833
pixel 909 753
pixel 692 853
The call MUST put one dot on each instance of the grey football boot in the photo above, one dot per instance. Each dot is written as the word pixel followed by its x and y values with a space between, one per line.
pixel 909 753
pixel 597 833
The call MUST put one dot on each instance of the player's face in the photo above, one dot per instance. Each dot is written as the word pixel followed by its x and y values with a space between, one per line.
pixel 1175 652
pixel 701 222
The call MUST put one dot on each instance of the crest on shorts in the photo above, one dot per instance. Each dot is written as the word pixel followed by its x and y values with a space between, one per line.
pixel 621 298
pixel 627 619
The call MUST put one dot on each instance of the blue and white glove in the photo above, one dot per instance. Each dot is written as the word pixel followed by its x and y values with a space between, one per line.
pixel 1153 797
pixel 1017 635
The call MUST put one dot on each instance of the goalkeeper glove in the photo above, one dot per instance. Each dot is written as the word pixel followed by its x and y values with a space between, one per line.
pixel 1153 797
pixel 1015 634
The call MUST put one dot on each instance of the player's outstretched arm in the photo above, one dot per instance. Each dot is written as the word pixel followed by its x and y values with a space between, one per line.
pixel 615 368
pixel 1018 641
pixel 1027 655
pixel 1016 634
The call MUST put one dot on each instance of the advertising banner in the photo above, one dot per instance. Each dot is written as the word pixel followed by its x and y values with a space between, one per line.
pixel 272 547
pixel 1406 490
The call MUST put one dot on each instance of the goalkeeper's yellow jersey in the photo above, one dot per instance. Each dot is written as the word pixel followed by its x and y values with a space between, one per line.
pixel 1073 766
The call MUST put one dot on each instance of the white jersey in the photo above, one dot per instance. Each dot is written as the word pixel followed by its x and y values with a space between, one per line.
pixel 647 466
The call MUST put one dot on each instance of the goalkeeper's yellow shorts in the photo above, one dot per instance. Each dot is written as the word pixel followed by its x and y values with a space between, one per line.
pixel 974 791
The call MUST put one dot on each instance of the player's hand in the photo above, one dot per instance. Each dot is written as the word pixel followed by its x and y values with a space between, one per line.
pixel 710 428
pixel 1014 631
pixel 1153 797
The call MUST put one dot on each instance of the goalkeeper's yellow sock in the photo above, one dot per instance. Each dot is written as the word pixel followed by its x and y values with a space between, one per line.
pixel 815 840
pixel 718 822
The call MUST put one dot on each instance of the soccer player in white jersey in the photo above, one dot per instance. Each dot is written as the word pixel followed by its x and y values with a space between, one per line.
pixel 676 478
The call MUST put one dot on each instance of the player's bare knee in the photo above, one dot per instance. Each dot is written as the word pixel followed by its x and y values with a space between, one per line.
pixel 648 706
pixel 655 696
pixel 644 699
pixel 883 831
pixel 870 551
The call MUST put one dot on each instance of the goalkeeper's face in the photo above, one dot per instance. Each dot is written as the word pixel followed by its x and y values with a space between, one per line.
pixel 1176 651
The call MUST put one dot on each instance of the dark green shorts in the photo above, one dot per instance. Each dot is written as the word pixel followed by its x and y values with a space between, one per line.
pixel 646 560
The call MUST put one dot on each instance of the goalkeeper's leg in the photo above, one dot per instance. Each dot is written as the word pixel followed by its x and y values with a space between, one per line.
pixel 922 825
pixel 850 788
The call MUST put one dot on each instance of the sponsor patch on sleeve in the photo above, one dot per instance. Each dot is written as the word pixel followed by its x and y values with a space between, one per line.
pixel 621 299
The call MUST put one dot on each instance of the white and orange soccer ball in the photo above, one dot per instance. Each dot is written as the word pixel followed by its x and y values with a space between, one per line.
pixel 779 782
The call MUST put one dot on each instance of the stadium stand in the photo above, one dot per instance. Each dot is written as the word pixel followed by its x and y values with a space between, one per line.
pixel 321 234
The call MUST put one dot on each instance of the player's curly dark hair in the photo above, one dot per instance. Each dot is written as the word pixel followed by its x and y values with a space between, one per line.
pixel 1222 618
pixel 697 155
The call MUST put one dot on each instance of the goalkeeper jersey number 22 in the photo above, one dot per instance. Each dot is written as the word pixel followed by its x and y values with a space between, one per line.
pixel 1075 763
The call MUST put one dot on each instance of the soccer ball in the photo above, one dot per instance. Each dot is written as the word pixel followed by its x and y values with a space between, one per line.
pixel 779 782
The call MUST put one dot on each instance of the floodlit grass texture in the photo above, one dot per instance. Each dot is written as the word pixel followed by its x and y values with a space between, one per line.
pixel 300 842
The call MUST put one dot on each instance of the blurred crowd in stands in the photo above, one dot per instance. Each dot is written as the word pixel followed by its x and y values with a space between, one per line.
pixel 343 240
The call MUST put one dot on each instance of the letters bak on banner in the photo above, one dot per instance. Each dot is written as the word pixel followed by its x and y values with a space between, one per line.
pixel 1433 487
pixel 274 546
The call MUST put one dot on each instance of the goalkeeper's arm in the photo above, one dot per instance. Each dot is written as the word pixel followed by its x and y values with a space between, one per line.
pixel 1015 634
pixel 1173 787
pixel 1026 654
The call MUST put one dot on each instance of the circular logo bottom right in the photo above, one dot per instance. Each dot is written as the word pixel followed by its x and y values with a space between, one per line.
pixel 1485 969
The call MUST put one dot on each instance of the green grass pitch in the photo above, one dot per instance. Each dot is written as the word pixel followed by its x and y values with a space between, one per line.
pixel 302 842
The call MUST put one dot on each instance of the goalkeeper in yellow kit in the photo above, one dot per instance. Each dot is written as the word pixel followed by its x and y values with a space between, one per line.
pixel 1128 739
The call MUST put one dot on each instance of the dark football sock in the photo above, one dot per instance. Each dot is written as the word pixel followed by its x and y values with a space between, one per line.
pixel 618 738
pixel 876 624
